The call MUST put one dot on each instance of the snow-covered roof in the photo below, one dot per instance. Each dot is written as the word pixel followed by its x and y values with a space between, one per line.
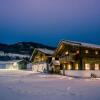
pixel 81 44
pixel 43 50
pixel 46 51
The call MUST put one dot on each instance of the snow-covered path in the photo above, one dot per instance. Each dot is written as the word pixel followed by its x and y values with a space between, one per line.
pixel 26 85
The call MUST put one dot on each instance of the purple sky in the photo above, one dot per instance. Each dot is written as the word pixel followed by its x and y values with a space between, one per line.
pixel 48 21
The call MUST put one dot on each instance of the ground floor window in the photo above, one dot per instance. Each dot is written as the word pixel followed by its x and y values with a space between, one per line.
pixel 87 66
pixel 68 66
pixel 96 66
pixel 76 66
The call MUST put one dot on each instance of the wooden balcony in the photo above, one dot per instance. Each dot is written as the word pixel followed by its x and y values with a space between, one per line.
pixel 67 59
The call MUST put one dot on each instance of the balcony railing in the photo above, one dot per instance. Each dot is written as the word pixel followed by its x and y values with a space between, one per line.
pixel 67 58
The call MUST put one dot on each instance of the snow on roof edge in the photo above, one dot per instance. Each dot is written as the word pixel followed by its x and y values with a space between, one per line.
pixel 45 50
pixel 81 44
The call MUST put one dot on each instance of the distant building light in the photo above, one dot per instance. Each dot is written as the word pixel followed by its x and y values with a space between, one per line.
pixel 15 64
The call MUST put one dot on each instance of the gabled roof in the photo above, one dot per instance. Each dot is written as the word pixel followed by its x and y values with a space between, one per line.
pixel 45 51
pixel 75 43
pixel 81 44
pixel 42 50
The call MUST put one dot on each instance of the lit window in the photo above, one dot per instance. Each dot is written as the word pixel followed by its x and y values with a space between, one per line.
pixel 66 52
pixel 76 66
pixel 69 67
pixel 42 59
pixel 86 51
pixel 87 66
pixel 53 58
pixel 77 51
pixel 96 66
pixel 96 52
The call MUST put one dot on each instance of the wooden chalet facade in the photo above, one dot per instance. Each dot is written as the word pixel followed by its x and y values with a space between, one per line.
pixel 41 59
pixel 70 58
pixel 78 56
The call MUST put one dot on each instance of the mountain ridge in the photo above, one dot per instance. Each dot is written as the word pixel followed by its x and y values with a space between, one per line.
pixel 23 47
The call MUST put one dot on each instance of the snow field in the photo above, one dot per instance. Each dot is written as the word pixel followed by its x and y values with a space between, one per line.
pixel 26 85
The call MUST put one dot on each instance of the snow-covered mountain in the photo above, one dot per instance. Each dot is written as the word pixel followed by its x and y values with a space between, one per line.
pixel 19 50
pixel 22 47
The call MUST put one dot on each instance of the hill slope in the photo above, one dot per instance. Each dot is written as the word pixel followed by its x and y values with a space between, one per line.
pixel 23 47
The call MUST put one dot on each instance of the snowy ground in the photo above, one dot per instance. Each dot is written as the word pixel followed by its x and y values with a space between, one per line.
pixel 26 85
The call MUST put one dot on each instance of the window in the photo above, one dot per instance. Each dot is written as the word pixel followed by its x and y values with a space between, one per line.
pixel 87 66
pixel 77 51
pixel 96 66
pixel 53 58
pixel 86 51
pixel 96 52
pixel 66 52
pixel 76 66
pixel 69 67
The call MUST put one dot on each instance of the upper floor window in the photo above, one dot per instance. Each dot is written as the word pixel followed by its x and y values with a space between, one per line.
pixel 96 52
pixel 66 52
pixel 77 52
pixel 86 51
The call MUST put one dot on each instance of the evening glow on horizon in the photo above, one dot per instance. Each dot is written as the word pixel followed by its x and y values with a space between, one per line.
pixel 49 21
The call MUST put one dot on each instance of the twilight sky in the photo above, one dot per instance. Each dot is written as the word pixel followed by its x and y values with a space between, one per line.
pixel 49 21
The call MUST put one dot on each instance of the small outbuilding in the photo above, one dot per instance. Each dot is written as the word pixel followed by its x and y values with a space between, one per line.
pixel 14 64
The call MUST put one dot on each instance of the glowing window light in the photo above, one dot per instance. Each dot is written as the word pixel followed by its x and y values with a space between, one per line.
pixel 87 66
pixel 69 67
pixel 15 64
pixel 86 51
pixel 53 58
pixel 96 66
pixel 96 52
pixel 77 51
pixel 66 52
pixel 76 66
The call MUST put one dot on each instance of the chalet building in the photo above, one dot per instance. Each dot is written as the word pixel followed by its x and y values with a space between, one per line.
pixel 70 58
pixel 41 59
pixel 78 56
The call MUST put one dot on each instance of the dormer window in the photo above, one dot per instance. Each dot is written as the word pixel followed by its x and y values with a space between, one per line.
pixel 96 52
pixel 86 51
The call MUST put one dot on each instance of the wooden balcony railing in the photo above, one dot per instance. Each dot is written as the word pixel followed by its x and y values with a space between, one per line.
pixel 67 58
